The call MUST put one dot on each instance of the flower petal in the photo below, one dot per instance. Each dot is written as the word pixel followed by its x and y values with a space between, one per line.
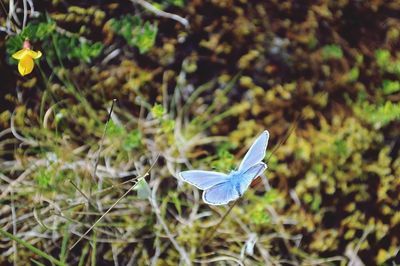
pixel 35 55
pixel 25 65
pixel 20 54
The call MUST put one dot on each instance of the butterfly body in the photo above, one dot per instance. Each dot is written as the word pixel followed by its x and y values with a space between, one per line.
pixel 220 188
pixel 235 178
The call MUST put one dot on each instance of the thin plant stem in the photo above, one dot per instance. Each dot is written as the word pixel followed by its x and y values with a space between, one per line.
pixel 115 203
pixel 82 193
pixel 104 214
pixel 293 127
pixel 212 232
pixel 31 247
pixel 162 13
pixel 102 138
pixel 25 14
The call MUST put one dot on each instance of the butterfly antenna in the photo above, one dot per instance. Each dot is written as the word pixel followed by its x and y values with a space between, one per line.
pixel 116 202
pixel 292 128
pixel 212 232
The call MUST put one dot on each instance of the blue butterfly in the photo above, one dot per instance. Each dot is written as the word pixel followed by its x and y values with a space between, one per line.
pixel 220 188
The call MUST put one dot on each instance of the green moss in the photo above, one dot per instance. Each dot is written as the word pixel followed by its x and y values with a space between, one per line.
pixel 136 32
pixel 332 51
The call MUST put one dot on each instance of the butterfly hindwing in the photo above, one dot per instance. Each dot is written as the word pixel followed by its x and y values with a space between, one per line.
pixel 256 153
pixel 221 194
pixel 220 188
pixel 233 188
pixel 203 179
pixel 248 176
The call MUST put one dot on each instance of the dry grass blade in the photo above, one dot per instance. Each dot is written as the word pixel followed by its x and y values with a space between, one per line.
pixel 31 247
pixel 115 203
pixel 161 13
pixel 96 163
pixel 212 232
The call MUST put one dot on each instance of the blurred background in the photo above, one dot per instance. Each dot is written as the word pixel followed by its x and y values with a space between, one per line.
pixel 195 82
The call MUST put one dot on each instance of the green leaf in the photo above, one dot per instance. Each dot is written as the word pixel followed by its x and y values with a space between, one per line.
pixel 382 57
pixel 31 247
pixel 13 44
pixel 176 201
pixel 37 262
pixel 145 40
pixel 332 51
pixel 341 147
pixel 143 189
pixel 259 215
pixel 43 178
pixel 114 130
pixel 133 140
pixel 390 86
pixel 135 32
pixel 378 114
pixel 85 50
pixel 54 45
pixel 168 125
pixel 316 202
pixel 353 74
pixel 83 255
pixel 271 196
pixel 64 245
pixel 158 111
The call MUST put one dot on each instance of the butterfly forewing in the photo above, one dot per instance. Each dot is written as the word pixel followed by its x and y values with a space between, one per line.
pixel 220 188
pixel 233 188
pixel 256 152
pixel 203 179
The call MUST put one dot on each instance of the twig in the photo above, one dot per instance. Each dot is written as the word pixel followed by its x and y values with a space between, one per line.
pixel 299 117
pixel 115 203
pixel 12 14
pixel 117 185
pixel 20 178
pixel 31 247
pixel 96 163
pixel 161 13
pixel 104 214
pixel 25 13
pixel 212 232
pixel 82 193
pixel 14 224
pixel 157 211
pixel 256 181
pixel 281 231
pixel 71 34
pixel 220 259
pixel 4 8
pixel 18 136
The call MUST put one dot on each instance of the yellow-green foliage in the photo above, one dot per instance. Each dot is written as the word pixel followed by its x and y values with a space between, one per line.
pixel 324 74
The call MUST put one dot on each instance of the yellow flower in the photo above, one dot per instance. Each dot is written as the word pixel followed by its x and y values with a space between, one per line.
pixel 25 57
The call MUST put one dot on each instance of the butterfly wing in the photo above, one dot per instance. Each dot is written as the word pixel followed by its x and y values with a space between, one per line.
pixel 256 152
pixel 220 194
pixel 231 190
pixel 203 179
pixel 248 176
